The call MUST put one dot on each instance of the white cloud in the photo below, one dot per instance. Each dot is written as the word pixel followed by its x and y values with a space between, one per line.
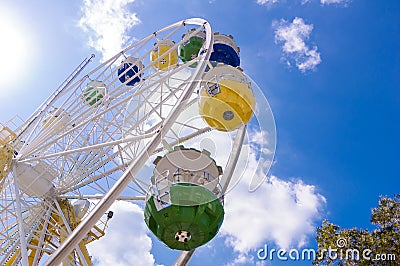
pixel 106 22
pixel 323 2
pixel 242 259
pixel 328 2
pixel 293 36
pixel 279 211
pixel 267 2
pixel 126 241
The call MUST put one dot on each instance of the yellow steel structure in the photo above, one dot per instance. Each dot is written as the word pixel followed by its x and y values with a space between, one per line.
pixel 32 252
pixel 6 152
pixel 56 226
pixel 69 214
pixel 226 100
pixel 168 59
pixel 6 135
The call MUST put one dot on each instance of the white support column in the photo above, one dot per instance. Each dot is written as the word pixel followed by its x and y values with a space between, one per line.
pixel 91 147
pixel 42 236
pixel 233 158
pixel 99 197
pixel 183 258
pixel 21 231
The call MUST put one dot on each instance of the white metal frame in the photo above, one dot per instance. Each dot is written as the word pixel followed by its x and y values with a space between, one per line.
pixel 98 153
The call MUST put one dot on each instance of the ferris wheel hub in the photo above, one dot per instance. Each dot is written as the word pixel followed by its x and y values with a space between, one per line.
pixel 35 180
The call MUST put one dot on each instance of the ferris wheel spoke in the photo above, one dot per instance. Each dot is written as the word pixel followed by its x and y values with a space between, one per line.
pixel 91 147
pixel 99 197
pixel 83 183
pixel 148 107
pixel 66 83
pixel 86 180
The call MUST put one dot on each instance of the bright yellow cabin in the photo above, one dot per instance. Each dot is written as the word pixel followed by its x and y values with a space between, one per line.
pixel 226 100
pixel 168 60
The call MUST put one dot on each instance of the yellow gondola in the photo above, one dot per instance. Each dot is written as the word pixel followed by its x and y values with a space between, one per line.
pixel 226 100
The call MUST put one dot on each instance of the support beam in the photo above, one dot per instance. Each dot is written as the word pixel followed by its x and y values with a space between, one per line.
pixel 21 230
pixel 99 197
pixel 91 147
pixel 183 258
pixel 233 158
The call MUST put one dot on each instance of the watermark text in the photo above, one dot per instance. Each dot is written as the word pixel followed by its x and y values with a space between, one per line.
pixel 310 254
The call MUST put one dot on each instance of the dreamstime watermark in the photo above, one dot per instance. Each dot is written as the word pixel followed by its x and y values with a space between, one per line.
pixel 310 254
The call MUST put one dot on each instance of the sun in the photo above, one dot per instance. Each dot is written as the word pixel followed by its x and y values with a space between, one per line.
pixel 14 50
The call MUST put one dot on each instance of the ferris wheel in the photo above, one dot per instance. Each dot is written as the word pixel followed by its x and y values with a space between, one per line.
pixel 90 144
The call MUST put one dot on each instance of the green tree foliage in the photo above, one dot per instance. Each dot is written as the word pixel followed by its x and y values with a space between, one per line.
pixel 338 246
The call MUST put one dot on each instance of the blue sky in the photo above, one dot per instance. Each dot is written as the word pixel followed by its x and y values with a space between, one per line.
pixel 329 69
